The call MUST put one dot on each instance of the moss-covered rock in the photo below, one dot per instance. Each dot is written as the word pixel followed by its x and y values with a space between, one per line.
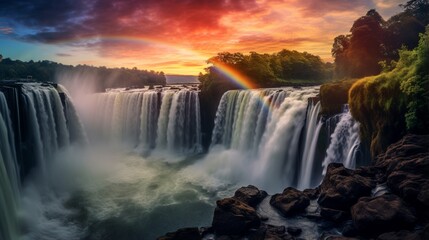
pixel 334 95
pixel 394 103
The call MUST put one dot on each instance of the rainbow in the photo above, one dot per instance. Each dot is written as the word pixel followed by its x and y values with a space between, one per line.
pixel 229 72
pixel 234 75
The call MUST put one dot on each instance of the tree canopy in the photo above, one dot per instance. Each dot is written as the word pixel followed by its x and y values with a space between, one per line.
pixel 103 77
pixel 269 70
pixel 372 40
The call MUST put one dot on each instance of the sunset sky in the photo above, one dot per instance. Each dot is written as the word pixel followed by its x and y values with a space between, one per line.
pixel 174 36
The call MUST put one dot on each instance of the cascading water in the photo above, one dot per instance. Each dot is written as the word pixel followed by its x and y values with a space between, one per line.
pixel 266 137
pixel 151 119
pixel 9 175
pixel 344 142
pixel 43 134
pixel 312 130
pixel 265 127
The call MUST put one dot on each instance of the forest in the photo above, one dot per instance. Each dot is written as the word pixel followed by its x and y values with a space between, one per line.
pixel 48 71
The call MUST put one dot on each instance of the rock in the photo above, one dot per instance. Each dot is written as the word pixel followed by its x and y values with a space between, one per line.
pixel 406 167
pixel 183 234
pixel 312 193
pixel 334 95
pixel 250 195
pixel 290 202
pixel 385 213
pixel 270 232
pixel 338 237
pixel 341 188
pixel 294 231
pixel 401 235
pixel 350 230
pixel 233 217
pixel 334 214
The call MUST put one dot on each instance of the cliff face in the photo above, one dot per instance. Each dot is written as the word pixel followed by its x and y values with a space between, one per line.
pixel 388 105
pixel 334 95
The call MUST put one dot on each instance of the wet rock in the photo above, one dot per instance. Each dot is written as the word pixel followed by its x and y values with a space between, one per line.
pixel 406 167
pixel 341 188
pixel 232 217
pixel 350 230
pixel 401 235
pixel 385 213
pixel 250 195
pixel 312 193
pixel 183 234
pixel 294 231
pixel 334 214
pixel 270 232
pixel 290 202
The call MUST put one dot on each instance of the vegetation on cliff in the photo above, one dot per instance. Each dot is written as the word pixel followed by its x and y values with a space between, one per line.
pixel 285 68
pixel 394 102
pixel 372 40
pixel 103 77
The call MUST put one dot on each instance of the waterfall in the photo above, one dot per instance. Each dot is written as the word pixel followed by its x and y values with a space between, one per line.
pixel 9 175
pixel 344 142
pixel 47 125
pixel 167 119
pixel 265 126
pixel 312 130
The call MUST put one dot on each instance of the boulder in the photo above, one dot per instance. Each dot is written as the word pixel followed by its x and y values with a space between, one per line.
pixel 341 188
pixel 312 193
pixel 401 235
pixel 270 232
pixel 290 202
pixel 334 214
pixel 384 213
pixel 250 195
pixel 406 166
pixel 294 231
pixel 233 217
pixel 183 234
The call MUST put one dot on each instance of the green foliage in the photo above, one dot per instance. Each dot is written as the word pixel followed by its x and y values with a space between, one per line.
pixel 372 40
pixel 334 95
pixel 416 87
pixel 47 71
pixel 269 70
pixel 395 102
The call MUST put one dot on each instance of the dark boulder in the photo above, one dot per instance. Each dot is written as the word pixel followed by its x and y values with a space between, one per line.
pixel 401 235
pixel 341 188
pixel 334 214
pixel 406 167
pixel 385 213
pixel 312 193
pixel 183 234
pixel 233 217
pixel 250 195
pixel 270 232
pixel 294 231
pixel 290 202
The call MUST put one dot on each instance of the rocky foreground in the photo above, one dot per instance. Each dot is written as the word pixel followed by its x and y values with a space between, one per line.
pixel 389 200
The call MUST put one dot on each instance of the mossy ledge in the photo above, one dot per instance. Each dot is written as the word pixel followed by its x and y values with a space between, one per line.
pixel 394 102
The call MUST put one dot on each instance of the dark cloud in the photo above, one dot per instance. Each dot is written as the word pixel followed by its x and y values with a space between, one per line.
pixel 53 21
pixel 318 8
pixel 63 55
pixel 6 30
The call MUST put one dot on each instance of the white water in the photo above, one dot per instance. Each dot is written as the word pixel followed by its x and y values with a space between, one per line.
pixel 9 176
pixel 257 135
pixel 150 119
pixel 344 142
pixel 312 130
pixel 265 137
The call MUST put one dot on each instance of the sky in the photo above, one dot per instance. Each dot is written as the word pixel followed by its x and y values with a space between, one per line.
pixel 174 36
